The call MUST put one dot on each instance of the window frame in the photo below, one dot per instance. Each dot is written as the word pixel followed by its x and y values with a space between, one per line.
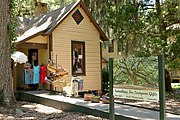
pixel 78 17
pixel 111 47
pixel 83 68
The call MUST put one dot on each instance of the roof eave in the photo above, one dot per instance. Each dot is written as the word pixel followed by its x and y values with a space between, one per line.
pixel 103 37
pixel 30 37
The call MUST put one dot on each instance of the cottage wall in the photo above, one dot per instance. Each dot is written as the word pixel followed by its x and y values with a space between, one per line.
pixel 106 54
pixel 43 56
pixel 38 39
pixel 69 31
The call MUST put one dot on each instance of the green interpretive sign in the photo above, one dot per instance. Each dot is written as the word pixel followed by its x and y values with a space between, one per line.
pixel 136 78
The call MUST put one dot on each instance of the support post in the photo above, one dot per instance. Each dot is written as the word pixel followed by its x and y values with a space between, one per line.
pixel 161 71
pixel 56 60
pixel 111 104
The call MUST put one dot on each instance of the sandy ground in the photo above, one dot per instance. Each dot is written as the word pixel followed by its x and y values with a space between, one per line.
pixel 33 111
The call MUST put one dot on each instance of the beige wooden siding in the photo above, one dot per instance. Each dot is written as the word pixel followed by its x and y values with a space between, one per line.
pixel 38 39
pixel 42 56
pixel 69 31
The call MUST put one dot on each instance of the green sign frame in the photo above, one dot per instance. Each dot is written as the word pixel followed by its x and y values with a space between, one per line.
pixel 161 75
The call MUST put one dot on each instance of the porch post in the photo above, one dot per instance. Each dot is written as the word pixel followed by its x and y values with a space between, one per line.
pixel 111 104
pixel 161 86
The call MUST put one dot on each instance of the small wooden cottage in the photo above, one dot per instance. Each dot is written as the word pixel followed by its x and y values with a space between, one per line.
pixel 68 36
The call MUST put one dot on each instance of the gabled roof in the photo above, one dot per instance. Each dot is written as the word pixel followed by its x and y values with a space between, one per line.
pixel 22 24
pixel 46 23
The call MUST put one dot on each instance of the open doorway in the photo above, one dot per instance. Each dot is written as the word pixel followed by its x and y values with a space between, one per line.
pixel 33 57
pixel 33 60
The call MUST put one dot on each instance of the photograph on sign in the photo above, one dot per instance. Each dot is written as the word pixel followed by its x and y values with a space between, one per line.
pixel 136 78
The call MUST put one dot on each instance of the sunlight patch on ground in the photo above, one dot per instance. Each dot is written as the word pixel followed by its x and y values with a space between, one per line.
pixel 29 106
pixel 171 115
pixel 5 117
pixel 138 103
pixel 1 116
pixel 29 118
pixel 42 109
pixel 88 117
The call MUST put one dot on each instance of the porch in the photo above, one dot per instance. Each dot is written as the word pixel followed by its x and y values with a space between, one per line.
pixel 122 112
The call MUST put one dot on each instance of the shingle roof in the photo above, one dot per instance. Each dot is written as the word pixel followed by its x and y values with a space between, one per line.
pixel 22 24
pixel 46 23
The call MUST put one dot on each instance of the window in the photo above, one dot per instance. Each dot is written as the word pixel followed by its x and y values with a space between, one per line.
pixel 78 58
pixel 77 16
pixel 111 47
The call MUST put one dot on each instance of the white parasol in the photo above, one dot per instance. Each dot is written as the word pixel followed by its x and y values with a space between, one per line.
pixel 19 57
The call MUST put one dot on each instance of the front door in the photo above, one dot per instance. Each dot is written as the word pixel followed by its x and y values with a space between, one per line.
pixel 33 56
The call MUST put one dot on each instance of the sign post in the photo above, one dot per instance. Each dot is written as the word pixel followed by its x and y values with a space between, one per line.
pixel 111 104
pixel 161 86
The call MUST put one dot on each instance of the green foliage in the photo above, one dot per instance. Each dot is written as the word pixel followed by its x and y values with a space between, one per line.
pixel 13 23
pixel 141 28
pixel 171 17
pixel 173 95
pixel 126 25
pixel 25 8
pixel 55 4
pixel 174 61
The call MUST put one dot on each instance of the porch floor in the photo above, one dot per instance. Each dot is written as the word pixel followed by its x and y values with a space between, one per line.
pixel 123 112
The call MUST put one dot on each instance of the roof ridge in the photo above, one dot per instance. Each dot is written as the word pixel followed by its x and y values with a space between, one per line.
pixel 44 24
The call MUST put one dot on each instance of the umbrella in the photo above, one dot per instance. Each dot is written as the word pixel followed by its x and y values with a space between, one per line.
pixel 19 57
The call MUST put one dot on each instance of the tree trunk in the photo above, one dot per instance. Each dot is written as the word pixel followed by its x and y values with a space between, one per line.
pixel 162 29
pixel 6 81
pixel 168 87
